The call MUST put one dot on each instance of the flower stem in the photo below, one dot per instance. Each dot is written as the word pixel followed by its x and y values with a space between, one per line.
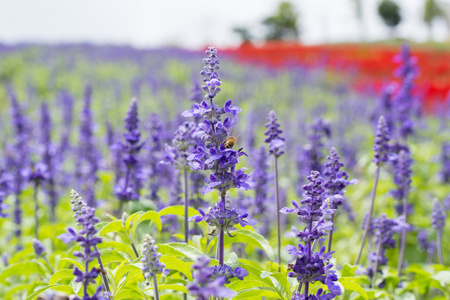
pixel 375 269
pixel 439 246
pixel 221 238
pixel 186 207
pixel 369 217
pixel 155 287
pixel 48 263
pixel 36 211
pixel 186 212
pixel 330 235
pixel 403 242
pixel 103 273
pixel 278 214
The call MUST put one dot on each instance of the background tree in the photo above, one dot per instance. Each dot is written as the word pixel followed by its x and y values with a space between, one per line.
pixel 283 25
pixel 432 11
pixel 359 15
pixel 244 34
pixel 389 11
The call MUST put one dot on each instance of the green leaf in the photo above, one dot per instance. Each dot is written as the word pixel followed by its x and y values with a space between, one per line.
pixel 353 286
pixel 123 270
pixel 443 277
pixel 128 293
pixel 78 264
pixel 59 288
pixel 178 210
pixel 37 293
pixel 256 294
pixel 240 285
pixel 152 216
pixel 109 256
pixel 173 263
pixel 232 260
pixel 64 273
pixel 252 238
pixel 114 226
pixel 180 249
pixel 118 246
pixel 173 287
pixel 22 268
pixel 282 280
pixel 348 270
pixel 131 220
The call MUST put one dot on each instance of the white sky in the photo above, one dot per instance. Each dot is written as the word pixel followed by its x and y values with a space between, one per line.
pixel 192 23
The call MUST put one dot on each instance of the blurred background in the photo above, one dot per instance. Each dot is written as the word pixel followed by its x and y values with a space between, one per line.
pixel 197 23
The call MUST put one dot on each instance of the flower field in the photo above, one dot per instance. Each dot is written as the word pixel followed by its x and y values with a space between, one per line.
pixel 130 174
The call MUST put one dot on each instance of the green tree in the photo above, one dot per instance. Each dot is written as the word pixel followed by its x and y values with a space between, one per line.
pixel 283 25
pixel 389 11
pixel 432 11
pixel 244 34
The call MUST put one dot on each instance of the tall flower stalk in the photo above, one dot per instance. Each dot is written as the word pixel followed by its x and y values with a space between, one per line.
pixel 438 223
pixel 84 216
pixel 127 188
pixel 381 151
pixel 183 144
pixel 37 175
pixel 335 185
pixel 402 178
pixel 217 154
pixel 151 266
pixel 311 266
pixel 276 145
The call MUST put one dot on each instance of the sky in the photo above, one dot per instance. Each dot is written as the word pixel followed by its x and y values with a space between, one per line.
pixel 194 23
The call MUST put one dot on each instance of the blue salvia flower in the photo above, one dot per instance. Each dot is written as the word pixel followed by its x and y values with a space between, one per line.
pixel 67 103
pixel 426 245
pixel 38 247
pixel 310 156
pixel 6 188
pixel 227 273
pixel 49 159
pixel 183 144
pixel 273 133
pixel 88 241
pixel 221 217
pixel 260 183
pixel 150 259
pixel 446 204
pixel 438 224
pixel 127 188
pixel 445 162
pixel 217 154
pixel 383 230
pixel 88 155
pixel 197 93
pixel 407 71
pixel 381 146
pixel 311 266
pixel 337 180
pixel 438 215
pixel 402 178
pixel 387 109
pixel 205 285
pixel 18 159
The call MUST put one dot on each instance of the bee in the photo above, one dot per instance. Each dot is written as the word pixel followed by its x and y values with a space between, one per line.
pixel 231 140
pixel 102 271
pixel 290 267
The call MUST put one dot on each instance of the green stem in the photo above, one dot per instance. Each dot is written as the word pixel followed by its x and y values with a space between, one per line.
pixel 369 217
pixel 103 271
pixel 36 211
pixel 278 214
pixel 155 287
pixel 330 235
pixel 439 246
pixel 375 269
pixel 403 242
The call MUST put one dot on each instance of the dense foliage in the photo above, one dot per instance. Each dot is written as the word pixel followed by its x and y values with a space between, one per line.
pixel 124 176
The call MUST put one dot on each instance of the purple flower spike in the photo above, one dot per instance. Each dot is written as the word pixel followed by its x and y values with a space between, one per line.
pixel 205 284
pixel 381 146
pixel 39 248
pixel 273 133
